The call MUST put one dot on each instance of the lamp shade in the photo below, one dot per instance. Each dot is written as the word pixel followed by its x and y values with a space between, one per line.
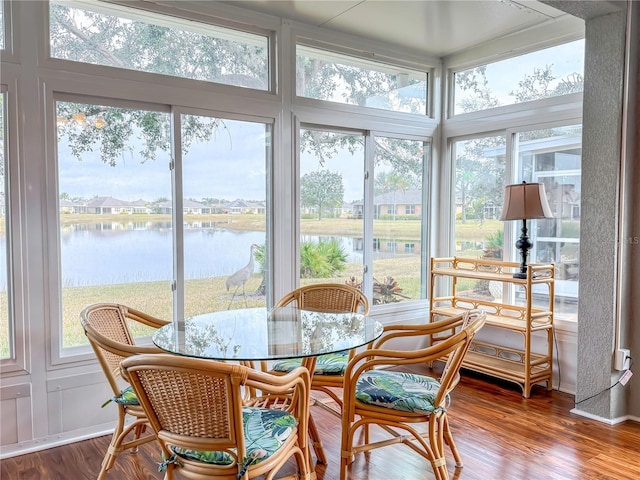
pixel 525 201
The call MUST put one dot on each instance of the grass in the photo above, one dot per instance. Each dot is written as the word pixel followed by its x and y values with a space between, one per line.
pixel 209 294
pixel 203 295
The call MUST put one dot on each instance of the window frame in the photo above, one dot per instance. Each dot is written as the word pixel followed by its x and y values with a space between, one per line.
pixel 61 355
pixel 427 66
pixel 157 79
pixel 17 291
pixel 369 213
pixel 511 232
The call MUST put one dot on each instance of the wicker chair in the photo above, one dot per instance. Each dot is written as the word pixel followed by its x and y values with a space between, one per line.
pixel 107 328
pixel 196 409
pixel 329 370
pixel 381 390
pixel 325 297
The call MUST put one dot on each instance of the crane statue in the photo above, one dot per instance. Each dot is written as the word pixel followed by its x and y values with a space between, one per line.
pixel 240 277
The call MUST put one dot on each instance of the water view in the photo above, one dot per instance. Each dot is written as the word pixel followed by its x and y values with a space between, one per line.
pixel 142 252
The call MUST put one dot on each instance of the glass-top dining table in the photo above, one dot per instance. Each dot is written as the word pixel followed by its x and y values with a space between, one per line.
pixel 261 334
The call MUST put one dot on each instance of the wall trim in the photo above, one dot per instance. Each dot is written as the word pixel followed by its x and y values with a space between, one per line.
pixel 31 446
pixel 608 421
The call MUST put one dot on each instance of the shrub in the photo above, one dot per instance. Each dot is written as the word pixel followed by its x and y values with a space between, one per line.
pixel 321 260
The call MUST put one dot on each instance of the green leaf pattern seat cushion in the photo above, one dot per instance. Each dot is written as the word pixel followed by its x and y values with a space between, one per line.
pixel 407 392
pixel 329 364
pixel 265 431
pixel 127 397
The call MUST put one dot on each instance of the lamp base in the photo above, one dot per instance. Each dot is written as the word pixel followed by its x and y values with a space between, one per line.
pixel 524 245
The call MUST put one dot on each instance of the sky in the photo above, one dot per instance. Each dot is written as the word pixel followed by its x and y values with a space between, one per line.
pixel 228 167
pixel 503 76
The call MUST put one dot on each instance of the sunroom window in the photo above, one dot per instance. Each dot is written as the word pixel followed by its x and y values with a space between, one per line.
pixel 544 73
pixel 115 239
pixel 121 237
pixel 335 77
pixel 92 32
pixel 551 156
pixel 337 204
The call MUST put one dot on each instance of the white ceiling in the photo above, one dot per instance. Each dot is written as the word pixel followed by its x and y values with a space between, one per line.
pixel 434 27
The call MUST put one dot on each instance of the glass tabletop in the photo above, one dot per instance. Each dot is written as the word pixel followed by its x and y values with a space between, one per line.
pixel 262 334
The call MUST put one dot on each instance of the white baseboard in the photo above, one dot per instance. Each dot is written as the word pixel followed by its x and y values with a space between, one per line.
pixel 22 448
pixel 608 421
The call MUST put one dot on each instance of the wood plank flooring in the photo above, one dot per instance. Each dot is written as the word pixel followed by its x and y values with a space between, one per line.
pixel 500 435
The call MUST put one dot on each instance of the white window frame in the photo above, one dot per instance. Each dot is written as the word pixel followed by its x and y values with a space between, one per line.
pixel 63 355
pixel 368 210
pixel 18 360
pixel 143 10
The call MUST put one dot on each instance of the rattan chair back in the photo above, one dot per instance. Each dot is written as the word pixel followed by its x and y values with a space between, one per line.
pixel 106 326
pixel 197 405
pixel 327 297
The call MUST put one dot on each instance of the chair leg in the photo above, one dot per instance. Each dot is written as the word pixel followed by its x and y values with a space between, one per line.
pixel 137 433
pixel 316 442
pixel 436 439
pixel 118 443
pixel 448 438
pixel 304 466
pixel 114 446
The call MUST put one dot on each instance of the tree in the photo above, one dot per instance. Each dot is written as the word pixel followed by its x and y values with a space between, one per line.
pixel 108 40
pixel 321 189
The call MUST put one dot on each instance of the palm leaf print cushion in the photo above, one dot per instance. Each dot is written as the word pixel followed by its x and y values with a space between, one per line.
pixel 407 392
pixel 265 431
pixel 329 364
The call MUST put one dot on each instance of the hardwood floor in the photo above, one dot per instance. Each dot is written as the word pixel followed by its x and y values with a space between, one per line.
pixel 500 435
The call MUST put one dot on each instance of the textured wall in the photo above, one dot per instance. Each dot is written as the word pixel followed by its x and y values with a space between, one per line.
pixel 601 146
pixel 633 330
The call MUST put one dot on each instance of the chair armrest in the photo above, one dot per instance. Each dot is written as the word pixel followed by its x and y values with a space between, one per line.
pixel 144 318
pixel 118 348
pixel 432 332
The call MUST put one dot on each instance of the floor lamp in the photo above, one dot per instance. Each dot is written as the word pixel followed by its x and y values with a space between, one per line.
pixel 525 201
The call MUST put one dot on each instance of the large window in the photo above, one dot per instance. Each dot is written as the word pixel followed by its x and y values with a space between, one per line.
pixel 399 213
pixel 553 157
pixel 335 211
pixel 119 241
pixel 479 192
pixel 325 75
pixel 132 39
pixel 331 195
pixel 225 233
pixel 545 73
pixel 115 227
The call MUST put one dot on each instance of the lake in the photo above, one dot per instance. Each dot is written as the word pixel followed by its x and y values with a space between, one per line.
pixel 112 252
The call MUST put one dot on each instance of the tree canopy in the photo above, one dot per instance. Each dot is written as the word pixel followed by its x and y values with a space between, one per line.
pixel 322 190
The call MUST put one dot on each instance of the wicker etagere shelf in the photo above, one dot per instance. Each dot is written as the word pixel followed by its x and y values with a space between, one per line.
pixel 519 363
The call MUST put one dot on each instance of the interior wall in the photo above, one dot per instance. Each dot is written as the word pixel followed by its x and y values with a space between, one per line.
pixel 602 124
pixel 633 240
